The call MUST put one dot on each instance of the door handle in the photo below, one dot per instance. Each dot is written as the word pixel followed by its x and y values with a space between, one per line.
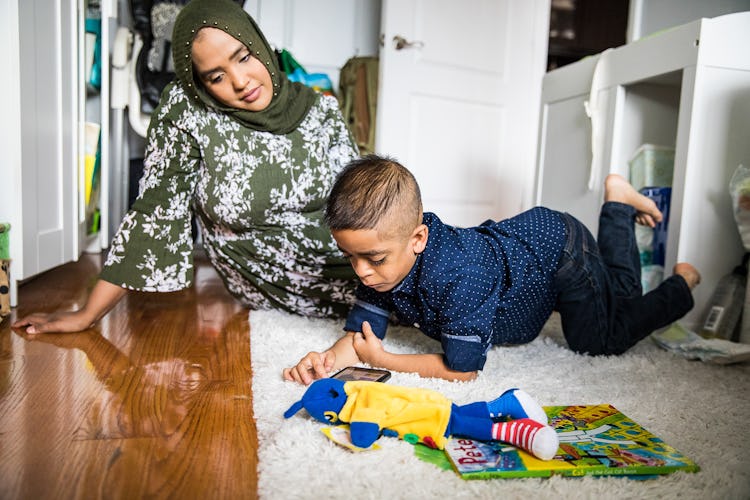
pixel 401 43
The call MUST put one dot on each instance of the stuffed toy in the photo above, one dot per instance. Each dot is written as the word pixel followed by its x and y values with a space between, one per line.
pixel 372 409
pixel 4 270
pixel 4 287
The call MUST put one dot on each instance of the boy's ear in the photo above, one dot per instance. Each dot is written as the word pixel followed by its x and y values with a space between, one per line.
pixel 419 238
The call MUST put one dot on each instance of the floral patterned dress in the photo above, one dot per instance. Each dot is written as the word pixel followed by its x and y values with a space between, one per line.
pixel 259 200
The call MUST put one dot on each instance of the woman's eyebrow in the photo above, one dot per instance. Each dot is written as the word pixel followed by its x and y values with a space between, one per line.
pixel 205 74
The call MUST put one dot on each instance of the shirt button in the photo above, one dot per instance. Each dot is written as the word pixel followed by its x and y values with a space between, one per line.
pixel 416 325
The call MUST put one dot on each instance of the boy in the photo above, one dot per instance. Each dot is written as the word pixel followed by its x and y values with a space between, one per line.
pixel 494 284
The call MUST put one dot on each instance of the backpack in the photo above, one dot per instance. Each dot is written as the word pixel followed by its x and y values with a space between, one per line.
pixel 358 97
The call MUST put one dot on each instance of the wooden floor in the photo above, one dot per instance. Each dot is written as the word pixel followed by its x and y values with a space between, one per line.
pixel 155 401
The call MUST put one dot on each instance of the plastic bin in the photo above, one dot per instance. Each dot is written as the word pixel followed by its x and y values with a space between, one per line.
pixel 652 166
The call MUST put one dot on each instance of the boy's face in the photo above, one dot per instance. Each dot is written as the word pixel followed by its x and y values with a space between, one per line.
pixel 381 263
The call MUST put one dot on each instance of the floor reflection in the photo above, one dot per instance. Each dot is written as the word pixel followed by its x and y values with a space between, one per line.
pixel 147 398
pixel 155 401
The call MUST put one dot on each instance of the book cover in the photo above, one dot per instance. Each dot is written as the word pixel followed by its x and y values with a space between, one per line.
pixel 594 440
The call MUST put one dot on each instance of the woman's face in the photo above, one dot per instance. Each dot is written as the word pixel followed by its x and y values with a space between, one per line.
pixel 229 72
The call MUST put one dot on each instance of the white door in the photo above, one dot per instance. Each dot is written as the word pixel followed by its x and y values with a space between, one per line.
pixel 459 101
pixel 45 215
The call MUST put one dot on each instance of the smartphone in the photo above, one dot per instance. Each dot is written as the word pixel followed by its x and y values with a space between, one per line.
pixel 360 373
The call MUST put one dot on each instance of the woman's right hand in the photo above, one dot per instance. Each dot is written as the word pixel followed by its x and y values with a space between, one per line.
pixel 103 297
pixel 62 322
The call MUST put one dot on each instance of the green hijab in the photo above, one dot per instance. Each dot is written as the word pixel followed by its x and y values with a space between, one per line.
pixel 291 100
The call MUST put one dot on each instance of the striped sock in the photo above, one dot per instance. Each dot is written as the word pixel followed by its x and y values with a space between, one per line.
pixel 529 435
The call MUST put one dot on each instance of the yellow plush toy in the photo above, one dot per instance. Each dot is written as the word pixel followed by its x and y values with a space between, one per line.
pixel 416 415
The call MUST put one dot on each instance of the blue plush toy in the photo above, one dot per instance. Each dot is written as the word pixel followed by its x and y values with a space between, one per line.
pixel 423 415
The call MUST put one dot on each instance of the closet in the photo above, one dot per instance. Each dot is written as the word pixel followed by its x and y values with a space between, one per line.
pixel 63 183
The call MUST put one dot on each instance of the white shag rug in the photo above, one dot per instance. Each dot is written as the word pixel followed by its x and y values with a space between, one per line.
pixel 702 410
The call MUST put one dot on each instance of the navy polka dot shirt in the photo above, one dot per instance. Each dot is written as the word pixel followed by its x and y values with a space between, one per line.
pixel 473 288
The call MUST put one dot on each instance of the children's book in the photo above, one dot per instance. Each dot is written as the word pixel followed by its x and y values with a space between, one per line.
pixel 594 440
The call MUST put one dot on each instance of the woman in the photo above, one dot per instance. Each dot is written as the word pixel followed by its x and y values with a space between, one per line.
pixel 253 156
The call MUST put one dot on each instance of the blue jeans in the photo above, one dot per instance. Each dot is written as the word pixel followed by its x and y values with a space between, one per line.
pixel 599 295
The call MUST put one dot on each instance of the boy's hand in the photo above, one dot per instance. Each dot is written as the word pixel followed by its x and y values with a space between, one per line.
pixel 313 366
pixel 368 346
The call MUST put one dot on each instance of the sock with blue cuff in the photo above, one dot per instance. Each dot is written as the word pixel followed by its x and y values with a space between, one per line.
pixel 515 404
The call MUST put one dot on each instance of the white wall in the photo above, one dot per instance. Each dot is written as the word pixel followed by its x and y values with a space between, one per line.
pixel 321 35
pixel 649 16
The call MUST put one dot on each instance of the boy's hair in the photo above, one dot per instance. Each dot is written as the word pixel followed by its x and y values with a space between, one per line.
pixel 375 192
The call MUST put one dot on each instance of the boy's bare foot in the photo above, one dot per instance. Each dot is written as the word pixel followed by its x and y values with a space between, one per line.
pixel 688 272
pixel 616 188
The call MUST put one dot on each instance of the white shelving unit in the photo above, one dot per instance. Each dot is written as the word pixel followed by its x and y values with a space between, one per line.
pixel 688 88
pixel 93 106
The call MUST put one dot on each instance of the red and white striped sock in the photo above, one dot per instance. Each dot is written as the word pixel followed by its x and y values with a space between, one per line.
pixel 538 439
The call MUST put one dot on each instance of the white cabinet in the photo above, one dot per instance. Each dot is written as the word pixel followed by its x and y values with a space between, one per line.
pixel 688 88
pixel 46 111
